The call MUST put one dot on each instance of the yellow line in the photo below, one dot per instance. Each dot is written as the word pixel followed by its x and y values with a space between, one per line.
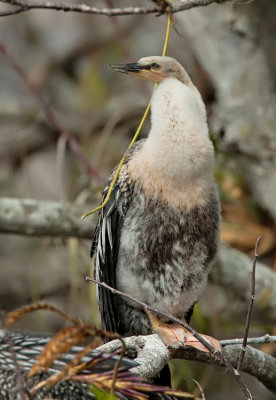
pixel 167 35
pixel 136 133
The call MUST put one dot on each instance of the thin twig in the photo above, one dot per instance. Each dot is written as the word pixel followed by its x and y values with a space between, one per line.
pixel 206 344
pixel 74 145
pixel 109 12
pixel 162 314
pixel 257 340
pixel 250 306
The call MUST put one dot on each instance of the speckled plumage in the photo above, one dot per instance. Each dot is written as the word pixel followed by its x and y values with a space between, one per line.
pixel 25 349
pixel 159 231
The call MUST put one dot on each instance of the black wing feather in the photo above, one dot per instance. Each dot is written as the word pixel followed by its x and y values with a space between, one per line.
pixel 106 242
pixel 105 246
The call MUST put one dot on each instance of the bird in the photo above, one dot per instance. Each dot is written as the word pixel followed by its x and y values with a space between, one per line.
pixel 18 354
pixel 158 233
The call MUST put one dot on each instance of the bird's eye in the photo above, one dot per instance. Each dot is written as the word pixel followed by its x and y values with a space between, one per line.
pixel 154 65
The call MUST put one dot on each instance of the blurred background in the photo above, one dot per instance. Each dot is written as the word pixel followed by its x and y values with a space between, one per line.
pixel 229 51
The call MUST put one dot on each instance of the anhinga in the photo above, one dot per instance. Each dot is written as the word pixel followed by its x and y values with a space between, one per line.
pixel 159 231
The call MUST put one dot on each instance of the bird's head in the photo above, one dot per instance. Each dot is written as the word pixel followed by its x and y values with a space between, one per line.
pixel 154 69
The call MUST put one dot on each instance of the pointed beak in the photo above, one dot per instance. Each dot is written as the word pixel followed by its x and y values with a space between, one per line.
pixel 140 71
pixel 126 68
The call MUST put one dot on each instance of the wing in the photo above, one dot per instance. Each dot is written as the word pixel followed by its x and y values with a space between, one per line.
pixel 105 246
pixel 106 242
pixel 27 347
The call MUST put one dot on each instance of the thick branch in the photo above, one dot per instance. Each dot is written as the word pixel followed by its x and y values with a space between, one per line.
pixel 207 344
pixel 46 218
pixel 182 5
pixel 152 355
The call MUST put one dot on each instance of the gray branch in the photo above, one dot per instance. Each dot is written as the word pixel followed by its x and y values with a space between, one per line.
pixel 22 6
pixel 151 352
pixel 44 218
pixel 256 340
pixel 152 355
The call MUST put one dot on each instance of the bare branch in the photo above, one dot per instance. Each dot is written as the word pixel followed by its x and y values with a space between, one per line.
pixel 46 218
pixel 212 350
pixel 250 307
pixel 153 355
pixel 182 5
pixel 255 340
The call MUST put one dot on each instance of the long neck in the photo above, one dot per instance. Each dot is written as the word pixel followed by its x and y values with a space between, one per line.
pixel 177 154
pixel 177 110
pixel 178 144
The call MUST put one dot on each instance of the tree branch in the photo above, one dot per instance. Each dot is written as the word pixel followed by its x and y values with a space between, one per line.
pixel 182 5
pixel 212 351
pixel 152 355
pixel 255 340
pixel 44 218
pixel 250 306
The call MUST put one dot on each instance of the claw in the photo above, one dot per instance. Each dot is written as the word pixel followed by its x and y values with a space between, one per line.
pixel 176 337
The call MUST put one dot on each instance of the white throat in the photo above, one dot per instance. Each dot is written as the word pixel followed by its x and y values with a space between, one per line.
pixel 178 147
pixel 177 110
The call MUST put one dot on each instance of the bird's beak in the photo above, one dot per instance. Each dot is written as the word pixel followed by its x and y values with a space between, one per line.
pixel 139 70
pixel 127 68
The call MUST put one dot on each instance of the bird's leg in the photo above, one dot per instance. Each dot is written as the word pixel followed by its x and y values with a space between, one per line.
pixel 174 335
pixel 170 333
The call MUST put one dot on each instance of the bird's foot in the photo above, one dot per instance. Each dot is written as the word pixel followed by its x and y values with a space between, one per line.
pixel 191 341
pixel 176 337
pixel 173 336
